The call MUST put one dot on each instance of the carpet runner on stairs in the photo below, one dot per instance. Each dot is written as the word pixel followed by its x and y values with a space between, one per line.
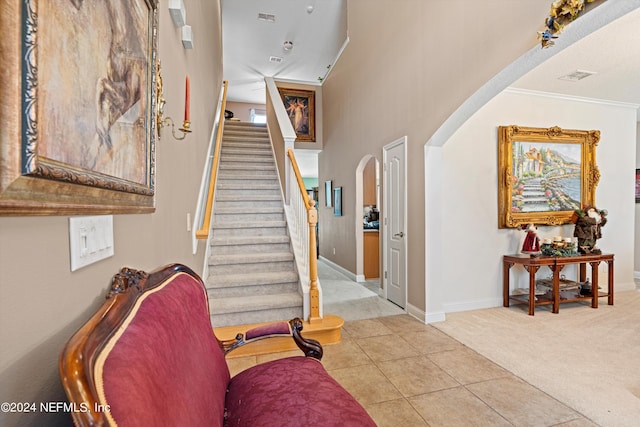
pixel 252 274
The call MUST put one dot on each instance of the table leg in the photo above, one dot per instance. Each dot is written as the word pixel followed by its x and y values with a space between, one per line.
pixel 594 285
pixel 556 287
pixel 610 282
pixel 506 267
pixel 583 272
pixel 532 287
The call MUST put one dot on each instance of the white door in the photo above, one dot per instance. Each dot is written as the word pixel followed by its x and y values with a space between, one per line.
pixel 395 269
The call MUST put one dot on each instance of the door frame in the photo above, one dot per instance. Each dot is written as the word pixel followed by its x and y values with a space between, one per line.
pixel 385 226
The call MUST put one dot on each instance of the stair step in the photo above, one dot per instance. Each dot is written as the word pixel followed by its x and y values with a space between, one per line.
pixel 247 279
pixel 246 150
pixel 258 258
pixel 247 169
pixel 243 224
pixel 249 198
pixel 248 285
pixel 244 229
pixel 257 209
pixel 243 159
pixel 249 244
pixel 249 186
pixel 242 144
pixel 240 176
pixel 247 216
pixel 256 302
pixel 239 137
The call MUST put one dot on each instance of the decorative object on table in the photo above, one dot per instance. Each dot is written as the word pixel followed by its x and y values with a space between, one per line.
pixel 558 246
pixel 589 222
pixel 78 113
pixel 531 244
pixel 562 13
pixel 545 174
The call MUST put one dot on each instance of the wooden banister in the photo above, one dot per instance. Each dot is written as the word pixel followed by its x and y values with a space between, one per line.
pixel 312 220
pixel 203 232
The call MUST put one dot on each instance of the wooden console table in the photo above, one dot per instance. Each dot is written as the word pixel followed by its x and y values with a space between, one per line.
pixel 556 264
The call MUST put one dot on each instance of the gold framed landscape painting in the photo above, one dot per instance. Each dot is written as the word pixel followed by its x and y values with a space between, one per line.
pixel 545 174
pixel 80 102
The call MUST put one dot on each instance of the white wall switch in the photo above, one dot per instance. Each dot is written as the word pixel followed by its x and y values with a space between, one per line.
pixel 90 239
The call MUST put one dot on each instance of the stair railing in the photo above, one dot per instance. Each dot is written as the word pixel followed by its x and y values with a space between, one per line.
pixel 203 232
pixel 302 216
pixel 304 219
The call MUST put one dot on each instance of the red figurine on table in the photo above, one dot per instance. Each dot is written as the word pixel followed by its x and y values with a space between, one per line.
pixel 531 243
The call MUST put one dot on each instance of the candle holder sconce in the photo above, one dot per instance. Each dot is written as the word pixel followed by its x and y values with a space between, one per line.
pixel 162 121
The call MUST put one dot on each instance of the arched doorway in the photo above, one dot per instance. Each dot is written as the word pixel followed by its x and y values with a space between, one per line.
pixel 368 204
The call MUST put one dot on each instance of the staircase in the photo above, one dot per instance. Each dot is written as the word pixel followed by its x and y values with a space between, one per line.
pixel 252 275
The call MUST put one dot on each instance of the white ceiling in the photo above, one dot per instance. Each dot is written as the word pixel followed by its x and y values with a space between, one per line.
pixel 317 29
pixel 612 52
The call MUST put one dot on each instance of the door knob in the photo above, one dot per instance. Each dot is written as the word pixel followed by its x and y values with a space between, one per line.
pixel 400 234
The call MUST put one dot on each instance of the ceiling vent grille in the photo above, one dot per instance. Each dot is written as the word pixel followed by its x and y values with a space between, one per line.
pixel 267 17
pixel 577 75
pixel 275 59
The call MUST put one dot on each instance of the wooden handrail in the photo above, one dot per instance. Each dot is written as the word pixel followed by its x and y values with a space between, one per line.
pixel 312 220
pixel 296 170
pixel 203 232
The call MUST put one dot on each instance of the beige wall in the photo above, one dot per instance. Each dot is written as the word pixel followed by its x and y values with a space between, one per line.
pixel 41 302
pixel 407 67
pixel 242 110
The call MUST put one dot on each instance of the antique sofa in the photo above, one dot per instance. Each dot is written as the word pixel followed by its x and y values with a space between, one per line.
pixel 149 357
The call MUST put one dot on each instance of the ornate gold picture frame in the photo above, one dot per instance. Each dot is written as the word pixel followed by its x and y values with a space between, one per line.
pixel 545 174
pixel 78 112
pixel 301 107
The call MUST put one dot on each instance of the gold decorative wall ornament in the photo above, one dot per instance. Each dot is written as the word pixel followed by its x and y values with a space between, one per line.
pixel 545 174
pixel 164 121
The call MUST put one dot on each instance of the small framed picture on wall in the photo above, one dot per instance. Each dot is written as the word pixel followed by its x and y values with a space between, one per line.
pixel 328 194
pixel 337 201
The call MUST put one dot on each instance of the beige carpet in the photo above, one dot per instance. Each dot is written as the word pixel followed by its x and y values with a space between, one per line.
pixel 587 358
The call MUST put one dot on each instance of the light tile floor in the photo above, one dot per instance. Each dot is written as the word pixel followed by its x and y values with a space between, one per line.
pixel 406 373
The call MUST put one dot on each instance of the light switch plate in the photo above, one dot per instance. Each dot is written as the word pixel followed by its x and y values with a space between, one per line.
pixel 90 239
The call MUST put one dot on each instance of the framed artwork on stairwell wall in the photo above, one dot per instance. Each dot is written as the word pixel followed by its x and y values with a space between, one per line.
pixel 79 107
pixel 301 107
pixel 545 174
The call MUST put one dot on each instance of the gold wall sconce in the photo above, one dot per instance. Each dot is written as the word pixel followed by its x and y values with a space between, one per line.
pixel 162 121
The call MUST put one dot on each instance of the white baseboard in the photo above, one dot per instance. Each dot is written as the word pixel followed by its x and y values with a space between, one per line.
pixel 360 278
pixel 339 268
pixel 636 274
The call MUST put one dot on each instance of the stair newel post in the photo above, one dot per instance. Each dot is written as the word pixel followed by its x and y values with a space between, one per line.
pixel 314 294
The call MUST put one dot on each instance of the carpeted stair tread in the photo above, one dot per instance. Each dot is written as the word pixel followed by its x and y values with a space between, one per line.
pixel 254 303
pixel 248 197
pixel 244 224
pixel 248 240
pixel 235 259
pixel 252 279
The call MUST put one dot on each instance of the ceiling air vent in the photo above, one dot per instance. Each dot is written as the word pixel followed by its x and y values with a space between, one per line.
pixel 577 75
pixel 267 17
pixel 275 59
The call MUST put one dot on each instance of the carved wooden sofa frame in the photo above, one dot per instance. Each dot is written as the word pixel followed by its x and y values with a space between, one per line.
pixel 149 357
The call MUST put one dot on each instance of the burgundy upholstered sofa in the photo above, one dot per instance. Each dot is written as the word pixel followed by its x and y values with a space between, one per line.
pixel 149 357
